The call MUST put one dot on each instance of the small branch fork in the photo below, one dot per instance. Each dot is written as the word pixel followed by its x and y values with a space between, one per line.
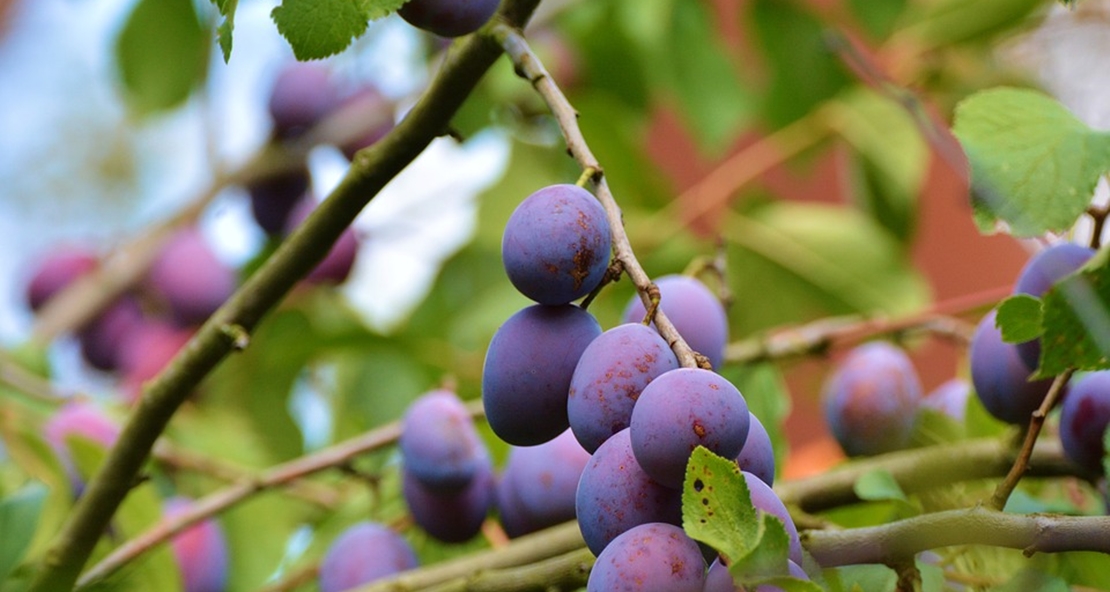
pixel 529 67
pixel 283 475
pixel 1021 465
pixel 370 171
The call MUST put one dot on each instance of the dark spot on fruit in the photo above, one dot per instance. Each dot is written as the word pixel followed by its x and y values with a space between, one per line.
pixel 699 429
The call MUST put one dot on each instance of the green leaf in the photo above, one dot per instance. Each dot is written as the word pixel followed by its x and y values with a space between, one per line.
pixel 804 70
pixel 785 583
pixel 768 557
pixel 1019 318
pixel 1077 320
pixel 703 79
pixel 1034 165
pixel 823 260
pixel 892 157
pixel 878 485
pixel 162 54
pixel 716 506
pixel 227 27
pixel 320 28
pixel 19 517
pixel 864 578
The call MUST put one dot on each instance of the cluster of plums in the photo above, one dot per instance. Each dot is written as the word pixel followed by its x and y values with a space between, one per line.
pixel 621 392
pixel 873 396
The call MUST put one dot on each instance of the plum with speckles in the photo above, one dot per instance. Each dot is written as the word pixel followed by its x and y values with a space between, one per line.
pixel 681 410
pixel 556 244
pixel 538 485
pixel 653 557
pixel 614 494
pixel 609 378
pixel 439 443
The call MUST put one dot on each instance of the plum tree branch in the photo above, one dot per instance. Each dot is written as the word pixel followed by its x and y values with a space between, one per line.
pixel 276 476
pixel 1033 431
pixel 371 169
pixel 536 547
pixel 1032 533
pixel 922 469
pixel 529 67
pixel 819 336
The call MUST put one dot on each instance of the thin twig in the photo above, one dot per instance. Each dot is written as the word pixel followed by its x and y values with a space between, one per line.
pixel 182 459
pixel 528 549
pixel 1021 464
pixel 819 336
pixel 529 67
pixel 281 475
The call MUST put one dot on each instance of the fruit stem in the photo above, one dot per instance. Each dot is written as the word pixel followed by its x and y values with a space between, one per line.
pixel 529 67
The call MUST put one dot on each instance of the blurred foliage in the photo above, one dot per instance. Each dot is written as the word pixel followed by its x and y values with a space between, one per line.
pixel 627 62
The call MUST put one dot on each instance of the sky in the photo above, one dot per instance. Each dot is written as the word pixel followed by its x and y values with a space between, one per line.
pixel 76 167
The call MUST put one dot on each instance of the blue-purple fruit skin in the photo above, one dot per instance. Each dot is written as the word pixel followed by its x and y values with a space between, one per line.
pixel 695 312
pixel 336 266
pixel 528 368
pixel 758 454
pixel 273 198
pixel 301 96
pixel 1084 416
pixel 681 410
pixel 451 517
pixel 652 557
pixel 191 279
pixel 439 444
pixel 81 420
pixel 556 244
pixel 765 500
pixel 871 399
pixel 374 111
pixel 1044 269
pixel 56 271
pixel 200 550
pixel 614 494
pixel 101 338
pixel 609 378
pixel 949 398
pixel 448 18
pixel 717 579
pixel 539 483
pixel 363 553
pixel 1001 378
